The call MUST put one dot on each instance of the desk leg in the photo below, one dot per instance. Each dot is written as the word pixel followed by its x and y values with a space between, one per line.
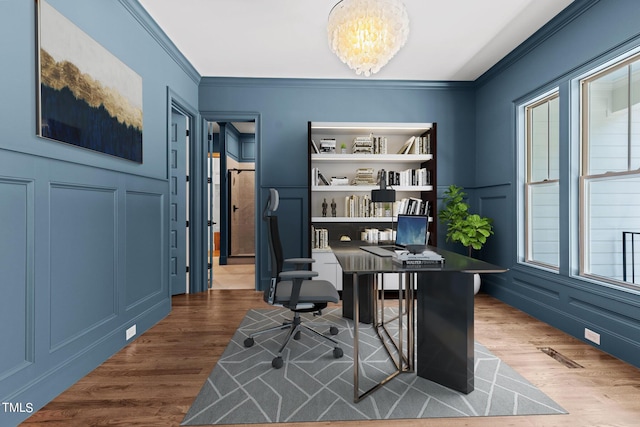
pixel 356 341
pixel 403 363
pixel 445 329
pixel 366 297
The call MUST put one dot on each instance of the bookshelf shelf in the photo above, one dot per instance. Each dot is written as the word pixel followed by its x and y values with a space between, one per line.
pixel 372 158
pixel 370 219
pixel 366 188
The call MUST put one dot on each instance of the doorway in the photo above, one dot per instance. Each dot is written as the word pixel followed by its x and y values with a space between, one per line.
pixel 232 189
pixel 242 217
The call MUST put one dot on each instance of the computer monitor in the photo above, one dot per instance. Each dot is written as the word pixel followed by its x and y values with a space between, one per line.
pixel 411 230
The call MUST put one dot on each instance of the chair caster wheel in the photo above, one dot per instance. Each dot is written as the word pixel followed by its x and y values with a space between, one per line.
pixel 333 330
pixel 248 342
pixel 337 353
pixel 277 362
pixel 296 336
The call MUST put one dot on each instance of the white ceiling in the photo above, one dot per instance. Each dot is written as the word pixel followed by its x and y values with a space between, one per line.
pixel 450 40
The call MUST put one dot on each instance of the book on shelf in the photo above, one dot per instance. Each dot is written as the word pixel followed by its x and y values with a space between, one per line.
pixel 369 144
pixel 319 238
pixel 409 177
pixel 317 178
pixel 379 145
pixel 361 206
pixel 362 145
pixel 314 147
pixel 418 262
pixel 374 235
pixel 413 206
pixel 328 145
pixel 407 145
pixel 416 145
pixel 322 178
pixel 339 180
pixel 364 176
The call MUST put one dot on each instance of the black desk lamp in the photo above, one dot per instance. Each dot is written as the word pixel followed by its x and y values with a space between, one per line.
pixel 383 194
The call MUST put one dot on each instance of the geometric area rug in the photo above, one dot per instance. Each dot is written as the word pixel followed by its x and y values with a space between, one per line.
pixel 243 388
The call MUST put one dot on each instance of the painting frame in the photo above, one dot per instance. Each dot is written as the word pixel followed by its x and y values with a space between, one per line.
pixel 86 96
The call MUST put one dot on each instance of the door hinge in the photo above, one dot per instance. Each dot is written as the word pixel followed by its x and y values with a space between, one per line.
pixel 187 178
pixel 187 268
pixel 208 180
pixel 209 266
pixel 187 224
pixel 187 132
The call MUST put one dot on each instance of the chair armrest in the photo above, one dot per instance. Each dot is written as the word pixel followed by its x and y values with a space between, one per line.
pixel 300 263
pixel 298 274
pixel 296 277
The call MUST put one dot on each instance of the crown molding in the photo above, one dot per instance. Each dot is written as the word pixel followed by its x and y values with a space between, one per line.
pixel 332 83
pixel 560 21
pixel 146 21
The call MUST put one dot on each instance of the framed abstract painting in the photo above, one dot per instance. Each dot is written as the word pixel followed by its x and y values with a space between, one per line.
pixel 87 97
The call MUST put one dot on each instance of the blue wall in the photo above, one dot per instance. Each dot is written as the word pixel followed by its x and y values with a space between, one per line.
pixel 285 106
pixel 83 236
pixel 582 37
pixel 476 149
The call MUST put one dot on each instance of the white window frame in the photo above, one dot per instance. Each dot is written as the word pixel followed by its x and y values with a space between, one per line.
pixel 584 178
pixel 524 181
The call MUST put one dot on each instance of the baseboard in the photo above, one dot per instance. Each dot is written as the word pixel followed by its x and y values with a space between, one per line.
pixel 41 390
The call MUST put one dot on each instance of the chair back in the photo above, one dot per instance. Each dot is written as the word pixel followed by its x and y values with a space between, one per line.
pixel 276 259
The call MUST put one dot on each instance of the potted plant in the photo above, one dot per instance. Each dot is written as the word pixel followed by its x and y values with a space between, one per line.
pixel 471 230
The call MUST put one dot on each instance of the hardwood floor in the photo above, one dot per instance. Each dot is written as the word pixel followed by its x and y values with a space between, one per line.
pixel 233 275
pixel 153 381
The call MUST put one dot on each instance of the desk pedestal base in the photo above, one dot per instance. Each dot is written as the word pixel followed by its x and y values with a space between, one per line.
pixel 367 294
pixel 445 334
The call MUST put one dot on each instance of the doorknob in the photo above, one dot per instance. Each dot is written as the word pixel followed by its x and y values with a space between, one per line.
pixel 235 208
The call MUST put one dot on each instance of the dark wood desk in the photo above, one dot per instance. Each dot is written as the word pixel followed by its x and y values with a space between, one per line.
pixel 444 321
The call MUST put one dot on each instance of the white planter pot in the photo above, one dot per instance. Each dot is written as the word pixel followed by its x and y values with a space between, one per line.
pixel 476 283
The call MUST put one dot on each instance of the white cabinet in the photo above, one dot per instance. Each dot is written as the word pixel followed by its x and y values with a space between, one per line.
pixel 327 267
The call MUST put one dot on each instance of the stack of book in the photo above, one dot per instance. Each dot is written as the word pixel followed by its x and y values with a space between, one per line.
pixel 363 145
pixel 364 176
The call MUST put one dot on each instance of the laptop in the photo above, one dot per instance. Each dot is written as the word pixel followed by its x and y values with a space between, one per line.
pixel 411 230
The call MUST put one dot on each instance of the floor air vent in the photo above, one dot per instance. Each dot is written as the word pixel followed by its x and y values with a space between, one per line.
pixel 560 358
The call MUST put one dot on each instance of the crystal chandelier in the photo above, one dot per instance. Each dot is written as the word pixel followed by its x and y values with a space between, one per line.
pixel 366 34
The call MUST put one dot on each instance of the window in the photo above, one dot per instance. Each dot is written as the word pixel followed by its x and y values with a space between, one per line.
pixel 542 183
pixel 609 173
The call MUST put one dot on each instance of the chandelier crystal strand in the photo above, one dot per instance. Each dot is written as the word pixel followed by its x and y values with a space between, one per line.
pixel 366 34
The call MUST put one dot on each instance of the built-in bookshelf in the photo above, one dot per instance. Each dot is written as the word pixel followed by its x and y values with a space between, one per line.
pixel 345 160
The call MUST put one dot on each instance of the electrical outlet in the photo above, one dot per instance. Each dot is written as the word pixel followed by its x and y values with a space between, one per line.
pixel 592 336
pixel 131 332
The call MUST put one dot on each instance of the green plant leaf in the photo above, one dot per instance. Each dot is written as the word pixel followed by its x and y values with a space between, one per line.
pixel 471 230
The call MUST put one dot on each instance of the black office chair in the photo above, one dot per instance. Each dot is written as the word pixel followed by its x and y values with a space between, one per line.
pixel 293 289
